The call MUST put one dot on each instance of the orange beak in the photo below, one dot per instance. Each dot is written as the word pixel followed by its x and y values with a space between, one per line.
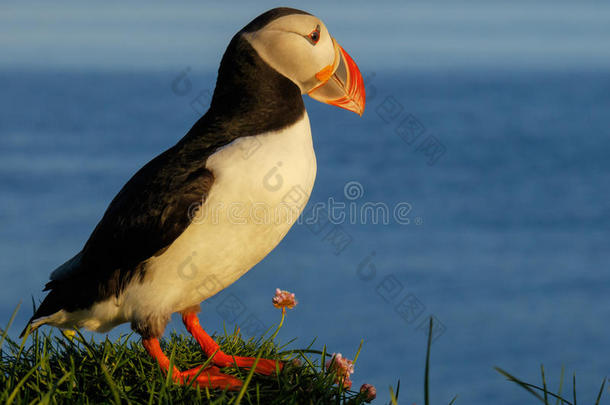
pixel 341 84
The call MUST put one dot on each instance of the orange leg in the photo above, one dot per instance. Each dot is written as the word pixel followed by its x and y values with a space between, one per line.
pixel 209 346
pixel 210 377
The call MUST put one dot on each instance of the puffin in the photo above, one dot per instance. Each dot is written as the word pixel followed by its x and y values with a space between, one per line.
pixel 201 214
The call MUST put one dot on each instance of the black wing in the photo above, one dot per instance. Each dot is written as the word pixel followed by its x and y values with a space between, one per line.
pixel 145 217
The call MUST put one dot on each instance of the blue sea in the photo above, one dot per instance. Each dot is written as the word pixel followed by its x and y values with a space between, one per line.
pixel 505 173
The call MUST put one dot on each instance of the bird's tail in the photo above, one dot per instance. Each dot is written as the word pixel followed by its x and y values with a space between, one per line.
pixel 32 325
pixel 53 302
pixel 43 314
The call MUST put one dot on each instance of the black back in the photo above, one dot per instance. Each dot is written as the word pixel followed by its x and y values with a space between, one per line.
pixel 152 209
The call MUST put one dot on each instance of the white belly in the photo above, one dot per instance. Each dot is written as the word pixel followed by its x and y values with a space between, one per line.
pixel 261 185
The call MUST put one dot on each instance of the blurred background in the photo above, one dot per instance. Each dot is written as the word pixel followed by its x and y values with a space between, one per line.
pixel 491 120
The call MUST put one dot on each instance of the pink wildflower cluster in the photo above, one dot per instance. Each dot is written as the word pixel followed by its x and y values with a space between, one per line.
pixel 284 299
pixel 342 367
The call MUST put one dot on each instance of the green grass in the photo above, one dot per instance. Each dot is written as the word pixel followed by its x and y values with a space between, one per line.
pixel 51 368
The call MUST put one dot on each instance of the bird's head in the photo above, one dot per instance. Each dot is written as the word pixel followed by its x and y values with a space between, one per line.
pixel 298 46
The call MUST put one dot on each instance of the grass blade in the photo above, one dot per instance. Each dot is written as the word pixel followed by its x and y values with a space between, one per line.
pixel 601 391
pixel 561 378
pixel 393 397
pixel 244 387
pixel 574 386
pixel 546 396
pixel 111 384
pixel 522 384
pixel 427 370
pixel 397 389
pixel 10 322
pixel 358 352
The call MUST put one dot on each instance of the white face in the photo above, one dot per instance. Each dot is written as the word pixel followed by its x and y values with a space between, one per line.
pixel 288 45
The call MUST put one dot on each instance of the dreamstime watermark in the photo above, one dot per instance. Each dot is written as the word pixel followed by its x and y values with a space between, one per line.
pixel 403 302
pixel 213 293
pixel 182 86
pixel 288 210
pixel 406 125
pixel 368 212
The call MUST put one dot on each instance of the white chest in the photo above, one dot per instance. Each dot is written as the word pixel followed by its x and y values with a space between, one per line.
pixel 261 185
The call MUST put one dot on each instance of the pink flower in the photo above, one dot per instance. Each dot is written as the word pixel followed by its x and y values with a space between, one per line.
pixel 284 299
pixel 369 392
pixel 342 367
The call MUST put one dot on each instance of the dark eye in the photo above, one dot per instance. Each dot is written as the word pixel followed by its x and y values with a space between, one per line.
pixel 314 36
